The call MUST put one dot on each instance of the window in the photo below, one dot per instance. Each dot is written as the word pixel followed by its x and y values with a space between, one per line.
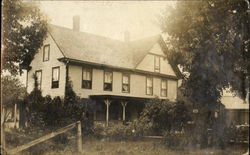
pixel 149 83
pixel 11 114
pixel 157 64
pixel 164 88
pixel 86 78
pixel 108 78
pixel 125 83
pixel 55 77
pixel 38 75
pixel 46 50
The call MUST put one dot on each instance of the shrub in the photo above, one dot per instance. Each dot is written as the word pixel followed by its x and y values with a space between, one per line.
pixel 53 112
pixel 160 116
pixel 120 132
pixel 176 140
pixel 45 112
pixel 237 133
pixel 117 132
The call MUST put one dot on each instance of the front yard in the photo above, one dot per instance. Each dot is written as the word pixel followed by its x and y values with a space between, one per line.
pixel 104 146
pixel 145 147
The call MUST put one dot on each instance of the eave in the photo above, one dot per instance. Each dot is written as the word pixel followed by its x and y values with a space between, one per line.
pixel 115 68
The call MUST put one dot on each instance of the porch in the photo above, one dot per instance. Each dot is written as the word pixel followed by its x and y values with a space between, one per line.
pixel 110 109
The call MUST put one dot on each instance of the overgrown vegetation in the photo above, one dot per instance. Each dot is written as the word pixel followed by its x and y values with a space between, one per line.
pixel 53 113
pixel 160 116
pixel 176 122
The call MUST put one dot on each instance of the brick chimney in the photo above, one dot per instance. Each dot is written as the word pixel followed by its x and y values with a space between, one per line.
pixel 76 23
pixel 126 36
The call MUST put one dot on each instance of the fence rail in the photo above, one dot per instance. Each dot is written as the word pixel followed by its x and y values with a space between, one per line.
pixel 51 135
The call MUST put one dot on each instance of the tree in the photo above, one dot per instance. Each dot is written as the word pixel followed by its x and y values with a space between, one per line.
pixel 210 40
pixel 24 29
pixel 13 90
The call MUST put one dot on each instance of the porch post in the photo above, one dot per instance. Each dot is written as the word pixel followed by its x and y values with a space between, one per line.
pixel 124 104
pixel 2 130
pixel 107 102
pixel 15 115
pixel 95 115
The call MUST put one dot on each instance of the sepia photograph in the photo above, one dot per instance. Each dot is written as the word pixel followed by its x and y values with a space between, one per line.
pixel 125 77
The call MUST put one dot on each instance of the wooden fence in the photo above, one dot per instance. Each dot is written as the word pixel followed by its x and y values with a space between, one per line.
pixel 51 135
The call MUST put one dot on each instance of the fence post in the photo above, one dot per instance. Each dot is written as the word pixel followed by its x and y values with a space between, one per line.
pixel 79 136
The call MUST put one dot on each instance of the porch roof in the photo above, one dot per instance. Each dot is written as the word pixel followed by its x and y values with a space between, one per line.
pixel 118 97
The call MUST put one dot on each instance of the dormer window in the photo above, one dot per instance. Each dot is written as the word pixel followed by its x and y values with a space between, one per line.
pixel 157 64
pixel 46 51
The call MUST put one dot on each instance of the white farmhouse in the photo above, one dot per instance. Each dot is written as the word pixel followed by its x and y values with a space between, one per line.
pixel 119 76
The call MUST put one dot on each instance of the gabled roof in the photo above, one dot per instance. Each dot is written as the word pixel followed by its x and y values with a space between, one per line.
pixel 92 48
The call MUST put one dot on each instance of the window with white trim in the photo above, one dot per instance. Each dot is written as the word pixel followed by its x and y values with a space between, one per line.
pixel 108 80
pixel 38 75
pixel 55 77
pixel 125 83
pixel 46 51
pixel 149 86
pixel 86 78
pixel 164 88
pixel 157 64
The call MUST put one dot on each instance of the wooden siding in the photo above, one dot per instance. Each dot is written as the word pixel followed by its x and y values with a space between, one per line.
pixel 137 84
pixel 46 67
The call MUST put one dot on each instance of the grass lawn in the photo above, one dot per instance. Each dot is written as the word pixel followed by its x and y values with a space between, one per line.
pixel 93 146
pixel 102 147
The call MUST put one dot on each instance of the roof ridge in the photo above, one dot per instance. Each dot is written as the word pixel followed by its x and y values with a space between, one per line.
pixel 147 38
pixel 87 33
pixel 104 37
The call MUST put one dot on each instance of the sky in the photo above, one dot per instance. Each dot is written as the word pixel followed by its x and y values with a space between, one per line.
pixel 108 18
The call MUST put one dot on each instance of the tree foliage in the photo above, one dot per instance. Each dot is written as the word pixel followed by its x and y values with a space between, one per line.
pixel 13 90
pixel 210 40
pixel 24 30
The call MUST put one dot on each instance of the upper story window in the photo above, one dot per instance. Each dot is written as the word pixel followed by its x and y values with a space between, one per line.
pixel 46 51
pixel 86 78
pixel 108 80
pixel 38 75
pixel 125 83
pixel 164 88
pixel 55 77
pixel 157 64
pixel 149 86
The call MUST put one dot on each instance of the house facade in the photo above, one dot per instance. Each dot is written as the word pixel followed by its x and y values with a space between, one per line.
pixel 118 76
